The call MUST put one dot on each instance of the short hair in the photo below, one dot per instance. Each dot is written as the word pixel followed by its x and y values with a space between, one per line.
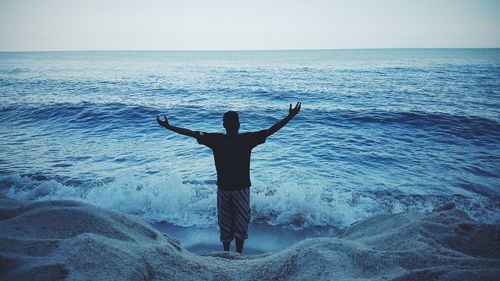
pixel 231 118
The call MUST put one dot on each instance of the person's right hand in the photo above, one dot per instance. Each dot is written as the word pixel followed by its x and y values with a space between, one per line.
pixel 293 111
pixel 161 122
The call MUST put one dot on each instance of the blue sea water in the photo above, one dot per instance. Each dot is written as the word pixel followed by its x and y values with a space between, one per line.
pixel 380 131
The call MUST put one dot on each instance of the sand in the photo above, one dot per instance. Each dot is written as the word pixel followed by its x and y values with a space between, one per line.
pixel 68 240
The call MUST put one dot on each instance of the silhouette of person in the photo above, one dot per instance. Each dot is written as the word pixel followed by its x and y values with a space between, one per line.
pixel 232 162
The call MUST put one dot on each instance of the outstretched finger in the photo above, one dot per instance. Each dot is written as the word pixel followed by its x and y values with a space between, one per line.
pixel 290 107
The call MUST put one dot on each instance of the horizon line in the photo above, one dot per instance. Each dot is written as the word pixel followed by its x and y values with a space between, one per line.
pixel 235 50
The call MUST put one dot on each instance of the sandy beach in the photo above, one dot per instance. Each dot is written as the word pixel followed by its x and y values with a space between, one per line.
pixel 69 240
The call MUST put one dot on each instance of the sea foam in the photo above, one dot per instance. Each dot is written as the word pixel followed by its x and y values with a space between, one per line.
pixel 287 204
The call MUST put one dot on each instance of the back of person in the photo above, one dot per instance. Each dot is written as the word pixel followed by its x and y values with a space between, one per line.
pixel 232 156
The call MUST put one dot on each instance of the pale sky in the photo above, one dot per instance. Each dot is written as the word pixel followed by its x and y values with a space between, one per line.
pixel 40 25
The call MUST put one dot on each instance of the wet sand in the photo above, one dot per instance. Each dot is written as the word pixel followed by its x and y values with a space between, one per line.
pixel 68 240
pixel 262 238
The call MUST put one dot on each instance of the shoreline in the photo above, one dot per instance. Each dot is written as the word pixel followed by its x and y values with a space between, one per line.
pixel 262 238
pixel 69 240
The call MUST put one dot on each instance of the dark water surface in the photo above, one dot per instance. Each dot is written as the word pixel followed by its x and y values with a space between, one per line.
pixel 380 131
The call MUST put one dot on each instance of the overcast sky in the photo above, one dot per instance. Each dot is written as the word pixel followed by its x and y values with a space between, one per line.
pixel 247 24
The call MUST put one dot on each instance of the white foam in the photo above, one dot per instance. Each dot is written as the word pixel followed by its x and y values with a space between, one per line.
pixel 290 203
pixel 154 199
pixel 297 204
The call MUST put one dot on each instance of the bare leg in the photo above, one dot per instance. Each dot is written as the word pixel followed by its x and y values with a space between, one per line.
pixel 239 245
pixel 226 246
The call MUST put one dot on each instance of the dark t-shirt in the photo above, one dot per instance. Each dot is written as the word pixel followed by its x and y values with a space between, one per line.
pixel 232 156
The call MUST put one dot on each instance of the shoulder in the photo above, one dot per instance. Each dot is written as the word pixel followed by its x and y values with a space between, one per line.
pixel 205 134
pixel 208 139
pixel 255 138
pixel 208 136
pixel 256 134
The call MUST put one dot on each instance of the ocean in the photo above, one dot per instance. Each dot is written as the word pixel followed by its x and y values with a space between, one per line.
pixel 380 131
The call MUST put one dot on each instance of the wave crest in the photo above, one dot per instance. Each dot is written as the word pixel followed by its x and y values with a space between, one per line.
pixel 288 204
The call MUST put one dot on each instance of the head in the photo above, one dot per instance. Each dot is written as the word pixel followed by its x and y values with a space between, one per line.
pixel 231 121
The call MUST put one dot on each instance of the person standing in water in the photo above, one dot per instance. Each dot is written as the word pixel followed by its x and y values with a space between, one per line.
pixel 232 163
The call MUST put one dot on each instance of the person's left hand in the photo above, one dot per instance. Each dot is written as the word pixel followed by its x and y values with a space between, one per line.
pixel 161 122
pixel 293 111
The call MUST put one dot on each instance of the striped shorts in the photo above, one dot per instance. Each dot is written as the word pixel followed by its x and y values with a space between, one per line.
pixel 233 213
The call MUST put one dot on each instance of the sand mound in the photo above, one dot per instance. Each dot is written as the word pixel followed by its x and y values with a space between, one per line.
pixel 66 240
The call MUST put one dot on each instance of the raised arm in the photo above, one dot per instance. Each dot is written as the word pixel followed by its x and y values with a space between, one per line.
pixel 179 130
pixel 291 113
